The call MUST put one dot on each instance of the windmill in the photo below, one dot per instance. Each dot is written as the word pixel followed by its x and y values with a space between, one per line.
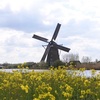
pixel 51 52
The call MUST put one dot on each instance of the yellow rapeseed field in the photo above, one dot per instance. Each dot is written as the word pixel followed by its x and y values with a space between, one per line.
pixel 55 84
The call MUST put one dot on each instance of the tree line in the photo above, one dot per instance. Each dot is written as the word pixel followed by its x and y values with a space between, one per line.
pixel 75 57
pixel 66 59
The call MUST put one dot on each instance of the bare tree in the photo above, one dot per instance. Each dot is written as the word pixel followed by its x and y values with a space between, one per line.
pixel 86 59
pixel 70 57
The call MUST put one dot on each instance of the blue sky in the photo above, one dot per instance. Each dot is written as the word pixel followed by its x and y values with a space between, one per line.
pixel 20 19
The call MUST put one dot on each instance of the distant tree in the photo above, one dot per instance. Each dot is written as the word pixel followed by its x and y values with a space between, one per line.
pixel 58 63
pixel 5 64
pixel 96 60
pixel 70 57
pixel 41 65
pixel 30 64
pixel 86 59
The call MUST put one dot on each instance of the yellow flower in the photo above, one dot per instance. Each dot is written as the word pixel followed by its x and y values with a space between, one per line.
pixel 46 95
pixel 82 92
pixel 18 66
pixel 81 96
pixel 25 88
pixel 4 98
pixel 56 92
pixel 68 88
pixel 49 88
pixel 38 78
pixel 36 99
pixel 88 91
pixel 86 82
pixel 61 76
pixel 98 83
pixel 65 94
pixel 82 69
pixel 93 71
pixel 61 87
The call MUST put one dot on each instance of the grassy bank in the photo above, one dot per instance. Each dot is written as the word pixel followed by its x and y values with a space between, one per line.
pixel 56 84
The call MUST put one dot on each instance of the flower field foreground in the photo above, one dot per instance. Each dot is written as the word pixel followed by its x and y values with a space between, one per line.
pixel 55 84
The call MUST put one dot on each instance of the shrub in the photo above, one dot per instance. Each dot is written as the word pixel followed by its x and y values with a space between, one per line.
pixel 58 63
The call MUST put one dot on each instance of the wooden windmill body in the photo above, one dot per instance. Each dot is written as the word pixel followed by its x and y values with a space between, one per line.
pixel 51 52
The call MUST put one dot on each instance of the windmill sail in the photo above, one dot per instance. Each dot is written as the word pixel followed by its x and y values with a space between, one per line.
pixel 62 48
pixel 40 38
pixel 56 31
pixel 45 53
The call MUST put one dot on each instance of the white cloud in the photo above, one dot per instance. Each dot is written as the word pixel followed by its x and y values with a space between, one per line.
pixel 17 5
pixel 17 46
pixel 80 29
pixel 84 46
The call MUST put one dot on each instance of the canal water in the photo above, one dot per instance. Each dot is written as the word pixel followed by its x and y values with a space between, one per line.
pixel 86 73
